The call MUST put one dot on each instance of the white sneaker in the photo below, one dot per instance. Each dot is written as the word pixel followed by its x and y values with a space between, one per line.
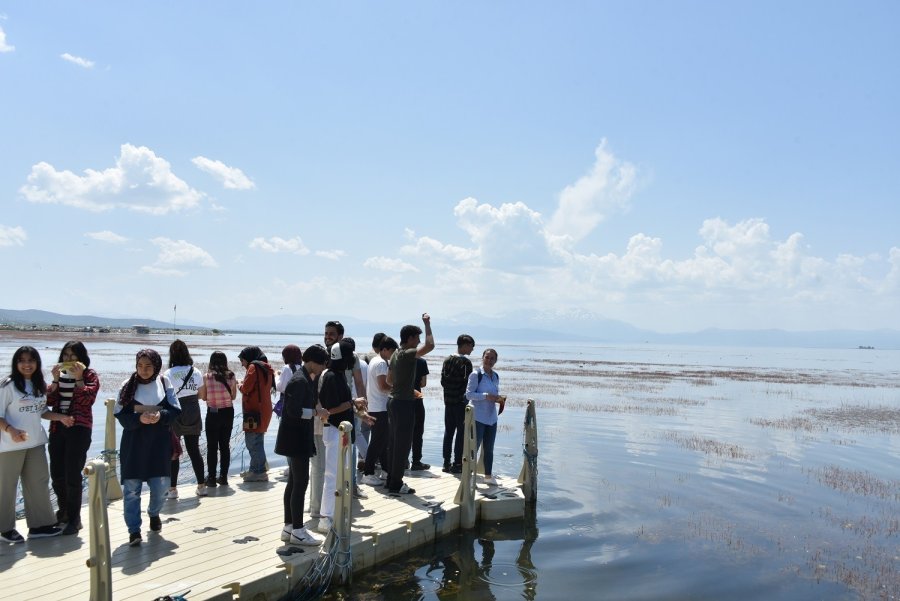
pixel 325 524
pixel 303 537
pixel 372 480
pixel 286 533
pixel 201 490
pixel 172 493
pixel 490 481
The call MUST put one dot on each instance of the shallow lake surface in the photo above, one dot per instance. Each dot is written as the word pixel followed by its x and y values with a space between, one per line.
pixel 665 472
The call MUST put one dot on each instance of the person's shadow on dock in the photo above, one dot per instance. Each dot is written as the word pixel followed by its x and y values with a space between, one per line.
pixel 134 560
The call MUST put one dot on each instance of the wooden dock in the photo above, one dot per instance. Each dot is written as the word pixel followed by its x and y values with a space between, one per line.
pixel 224 546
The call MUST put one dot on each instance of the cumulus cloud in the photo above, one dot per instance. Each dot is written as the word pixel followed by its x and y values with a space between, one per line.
pixel 388 264
pixel 231 178
pixel 175 256
pixel 77 60
pixel 4 46
pixel 510 235
pixel 278 245
pixel 430 248
pixel 140 181
pixel 12 236
pixel 604 190
pixel 107 236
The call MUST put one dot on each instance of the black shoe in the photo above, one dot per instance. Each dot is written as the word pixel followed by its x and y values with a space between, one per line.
pixel 456 468
pixel 155 523
pixel 44 531
pixel 222 480
pixel 72 528
pixel 62 516
pixel 418 466
pixel 446 468
pixel 211 482
pixel 134 539
pixel 12 536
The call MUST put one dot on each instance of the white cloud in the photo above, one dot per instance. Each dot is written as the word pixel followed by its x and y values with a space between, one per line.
pixel 388 264
pixel 77 60
pixel 10 236
pixel 508 236
pixel 426 247
pixel 177 254
pixel 4 47
pixel 107 236
pixel 140 181
pixel 232 178
pixel 278 245
pixel 332 255
pixel 606 189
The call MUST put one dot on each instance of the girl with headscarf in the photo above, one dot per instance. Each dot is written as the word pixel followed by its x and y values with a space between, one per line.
pixel 146 407
pixel 219 391
pixel 71 395
pixel 292 356
pixel 256 402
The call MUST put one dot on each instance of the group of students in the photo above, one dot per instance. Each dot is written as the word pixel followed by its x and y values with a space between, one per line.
pixel 320 387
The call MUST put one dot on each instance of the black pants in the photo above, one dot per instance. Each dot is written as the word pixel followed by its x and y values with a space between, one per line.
pixel 192 444
pixel 402 416
pixel 378 443
pixel 418 430
pixel 295 491
pixel 68 451
pixel 218 439
pixel 454 423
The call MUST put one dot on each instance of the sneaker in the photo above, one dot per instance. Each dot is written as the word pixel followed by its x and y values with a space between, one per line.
pixel 286 532
pixel 372 480
pixel 211 482
pixel 134 539
pixel 324 525
pixel 62 516
pixel 305 538
pixel 44 531
pixel 11 536
pixel 418 466
pixel 155 523
pixel 315 515
pixel 490 481
pixel 201 490
pixel 222 481
pixel 172 493
pixel 256 477
pixel 456 468
pixel 72 528
pixel 359 494
pixel 404 490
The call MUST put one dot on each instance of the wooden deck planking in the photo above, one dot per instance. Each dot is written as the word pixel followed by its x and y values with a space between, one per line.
pixel 206 562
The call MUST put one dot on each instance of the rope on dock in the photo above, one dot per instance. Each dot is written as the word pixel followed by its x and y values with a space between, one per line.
pixel 314 584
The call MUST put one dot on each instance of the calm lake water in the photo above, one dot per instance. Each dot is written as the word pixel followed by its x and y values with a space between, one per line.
pixel 666 473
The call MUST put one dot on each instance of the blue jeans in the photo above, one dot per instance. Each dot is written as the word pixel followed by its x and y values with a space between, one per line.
pixel 257 450
pixel 487 434
pixel 131 490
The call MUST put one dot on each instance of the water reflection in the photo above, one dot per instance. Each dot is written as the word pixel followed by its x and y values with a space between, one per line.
pixel 489 563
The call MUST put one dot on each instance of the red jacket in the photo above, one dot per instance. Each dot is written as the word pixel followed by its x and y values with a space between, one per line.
pixel 256 395
pixel 83 397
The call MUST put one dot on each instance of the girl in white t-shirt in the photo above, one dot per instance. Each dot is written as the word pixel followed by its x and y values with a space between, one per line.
pixel 23 456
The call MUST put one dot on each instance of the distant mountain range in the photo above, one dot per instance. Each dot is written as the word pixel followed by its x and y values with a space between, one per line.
pixel 522 326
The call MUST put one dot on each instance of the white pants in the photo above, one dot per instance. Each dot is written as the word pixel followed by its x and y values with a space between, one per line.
pixel 331 438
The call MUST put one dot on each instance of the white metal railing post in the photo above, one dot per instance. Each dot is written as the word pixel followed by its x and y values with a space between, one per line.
pixel 529 473
pixel 342 509
pixel 465 494
pixel 113 488
pixel 100 559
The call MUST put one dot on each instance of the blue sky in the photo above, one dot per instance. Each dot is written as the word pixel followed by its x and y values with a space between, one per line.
pixel 676 165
